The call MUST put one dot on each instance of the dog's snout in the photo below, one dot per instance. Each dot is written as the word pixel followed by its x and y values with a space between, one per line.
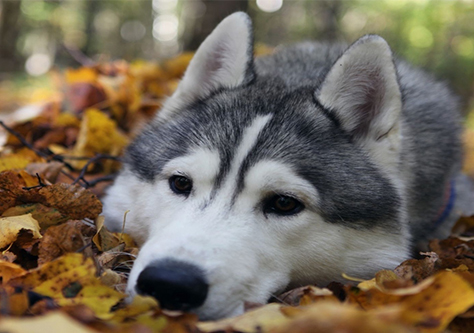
pixel 175 284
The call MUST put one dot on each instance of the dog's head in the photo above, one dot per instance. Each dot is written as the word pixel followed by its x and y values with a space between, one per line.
pixel 246 184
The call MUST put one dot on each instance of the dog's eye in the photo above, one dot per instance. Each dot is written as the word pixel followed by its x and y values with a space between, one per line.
pixel 181 185
pixel 283 205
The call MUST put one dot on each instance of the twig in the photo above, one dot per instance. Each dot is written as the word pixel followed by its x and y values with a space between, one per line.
pixel 91 161
pixel 96 181
pixel 22 140
pixel 40 184
pixel 28 145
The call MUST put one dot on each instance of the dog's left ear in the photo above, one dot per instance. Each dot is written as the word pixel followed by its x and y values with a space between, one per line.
pixel 224 60
pixel 362 90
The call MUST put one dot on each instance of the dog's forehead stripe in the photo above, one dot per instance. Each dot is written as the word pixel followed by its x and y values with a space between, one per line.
pixel 247 143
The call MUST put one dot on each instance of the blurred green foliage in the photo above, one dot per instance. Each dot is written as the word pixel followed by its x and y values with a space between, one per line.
pixel 437 35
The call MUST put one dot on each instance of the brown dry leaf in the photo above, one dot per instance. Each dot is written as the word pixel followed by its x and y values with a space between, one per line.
pixel 46 216
pixel 10 270
pixel 113 279
pixel 49 171
pixel 104 239
pixel 418 270
pixel 59 240
pixel 379 281
pixel 8 256
pixel 71 200
pixel 53 322
pixel 11 226
pixel 337 317
pixel 83 88
pixel 432 304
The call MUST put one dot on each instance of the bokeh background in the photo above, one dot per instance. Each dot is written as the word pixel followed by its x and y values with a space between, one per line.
pixel 39 35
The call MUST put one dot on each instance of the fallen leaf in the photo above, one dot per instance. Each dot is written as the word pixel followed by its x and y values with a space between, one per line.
pixel 11 226
pixel 46 216
pixel 59 240
pixel 104 239
pixel 263 319
pixel 98 134
pixel 49 171
pixel 337 317
pixel 54 322
pixel 417 270
pixel 432 304
pixel 10 270
pixel 71 280
pixel 71 200
pixel 14 301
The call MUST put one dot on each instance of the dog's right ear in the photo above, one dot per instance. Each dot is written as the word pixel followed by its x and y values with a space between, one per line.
pixel 224 60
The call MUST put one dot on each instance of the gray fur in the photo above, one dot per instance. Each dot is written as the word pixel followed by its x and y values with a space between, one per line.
pixel 354 191
pixel 365 146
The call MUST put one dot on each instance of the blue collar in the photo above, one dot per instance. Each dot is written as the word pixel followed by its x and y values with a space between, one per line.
pixel 448 205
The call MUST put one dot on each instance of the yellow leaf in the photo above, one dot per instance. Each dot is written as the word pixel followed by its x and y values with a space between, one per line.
pixel 10 270
pixel 98 298
pixel 139 305
pixel 76 263
pixel 53 322
pixel 67 119
pixel 13 161
pixel 71 280
pixel 429 305
pixel 11 226
pixel 261 319
pixel 98 134
pixel 83 74
pixel 378 280
pixel 337 317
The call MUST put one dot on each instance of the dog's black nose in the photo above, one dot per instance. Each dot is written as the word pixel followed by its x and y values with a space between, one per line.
pixel 176 285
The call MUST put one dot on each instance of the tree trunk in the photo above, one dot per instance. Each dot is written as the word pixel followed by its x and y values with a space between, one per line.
pixel 10 59
pixel 215 12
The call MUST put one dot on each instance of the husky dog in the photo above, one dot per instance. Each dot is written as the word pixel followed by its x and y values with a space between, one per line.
pixel 259 175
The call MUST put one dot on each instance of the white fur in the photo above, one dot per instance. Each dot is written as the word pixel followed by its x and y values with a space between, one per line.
pixel 246 255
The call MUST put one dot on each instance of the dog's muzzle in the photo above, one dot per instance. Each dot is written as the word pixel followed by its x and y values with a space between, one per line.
pixel 175 284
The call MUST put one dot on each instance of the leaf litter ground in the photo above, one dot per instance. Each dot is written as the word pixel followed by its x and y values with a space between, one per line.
pixel 61 270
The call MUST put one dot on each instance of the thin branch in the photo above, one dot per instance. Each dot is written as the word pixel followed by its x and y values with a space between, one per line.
pixel 40 184
pixel 28 145
pixel 91 161
pixel 23 140
pixel 107 178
